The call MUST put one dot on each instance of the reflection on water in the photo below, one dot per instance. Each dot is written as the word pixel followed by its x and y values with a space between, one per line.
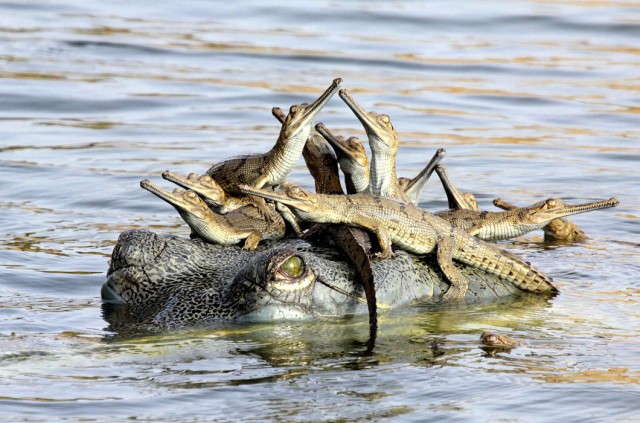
pixel 531 99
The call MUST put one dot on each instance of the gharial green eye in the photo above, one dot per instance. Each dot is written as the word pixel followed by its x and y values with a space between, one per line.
pixel 293 267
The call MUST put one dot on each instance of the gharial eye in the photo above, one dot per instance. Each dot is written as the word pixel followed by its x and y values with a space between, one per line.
pixel 295 191
pixel 384 118
pixel 552 203
pixel 191 195
pixel 293 267
pixel 294 109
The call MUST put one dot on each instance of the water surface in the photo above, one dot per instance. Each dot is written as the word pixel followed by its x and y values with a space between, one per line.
pixel 531 99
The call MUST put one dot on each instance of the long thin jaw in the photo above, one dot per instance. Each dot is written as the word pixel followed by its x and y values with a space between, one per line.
pixel 375 125
pixel 310 112
pixel 214 195
pixel 278 197
pixel 564 209
pixel 456 199
pixel 363 116
pixel 175 200
pixel 338 144
pixel 177 179
pixel 415 185
pixel 278 114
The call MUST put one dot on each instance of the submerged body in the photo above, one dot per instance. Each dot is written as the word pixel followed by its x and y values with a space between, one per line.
pixel 150 282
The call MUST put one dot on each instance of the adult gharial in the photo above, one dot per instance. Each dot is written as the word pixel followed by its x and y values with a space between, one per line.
pixel 340 265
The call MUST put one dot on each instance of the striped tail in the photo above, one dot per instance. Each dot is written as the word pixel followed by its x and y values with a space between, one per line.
pixel 502 264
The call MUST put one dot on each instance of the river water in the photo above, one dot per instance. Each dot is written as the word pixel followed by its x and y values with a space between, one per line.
pixel 531 99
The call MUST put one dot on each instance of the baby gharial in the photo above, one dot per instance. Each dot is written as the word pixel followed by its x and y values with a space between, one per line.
pixel 244 224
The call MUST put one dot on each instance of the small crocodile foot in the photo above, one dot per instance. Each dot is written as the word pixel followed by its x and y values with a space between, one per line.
pixel 265 210
pixel 384 254
pixel 252 241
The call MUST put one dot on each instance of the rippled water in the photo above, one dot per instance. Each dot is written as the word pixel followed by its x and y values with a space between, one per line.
pixel 530 99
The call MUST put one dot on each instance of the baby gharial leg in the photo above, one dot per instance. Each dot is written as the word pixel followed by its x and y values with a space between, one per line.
pixel 458 282
pixel 251 242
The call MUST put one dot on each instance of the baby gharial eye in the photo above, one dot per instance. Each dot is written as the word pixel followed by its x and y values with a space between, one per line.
pixel 354 143
pixel 384 119
pixel 206 179
pixel 295 191
pixel 295 108
pixel 192 195
pixel 293 267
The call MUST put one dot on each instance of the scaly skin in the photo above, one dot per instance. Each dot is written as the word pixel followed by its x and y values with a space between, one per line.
pixel 493 226
pixel 557 230
pixel 383 141
pixel 245 224
pixel 413 187
pixel 457 200
pixel 210 191
pixel 272 168
pixel 496 340
pixel 355 243
pixel 157 282
pixel 414 230
pixel 352 158
pixel 323 165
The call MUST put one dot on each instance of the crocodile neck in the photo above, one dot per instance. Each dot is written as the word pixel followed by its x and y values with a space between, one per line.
pixel 281 159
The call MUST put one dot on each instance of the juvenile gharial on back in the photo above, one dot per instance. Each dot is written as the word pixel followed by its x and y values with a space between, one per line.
pixel 414 230
pixel 244 224
pixel 273 167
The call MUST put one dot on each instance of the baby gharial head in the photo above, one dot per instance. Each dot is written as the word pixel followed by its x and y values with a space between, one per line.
pixel 554 208
pixel 357 152
pixel 378 126
pixel 350 152
pixel 211 189
pixel 204 185
pixel 185 201
pixel 300 119
pixel 191 197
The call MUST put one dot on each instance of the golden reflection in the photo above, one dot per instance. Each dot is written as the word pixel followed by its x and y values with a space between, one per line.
pixel 429 111
pixel 620 375
pixel 31 75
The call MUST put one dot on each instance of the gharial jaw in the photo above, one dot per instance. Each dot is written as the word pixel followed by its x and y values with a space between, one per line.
pixel 457 200
pixel 204 185
pixel 351 149
pixel 306 205
pixel 379 129
pixel 554 208
pixel 184 201
pixel 300 119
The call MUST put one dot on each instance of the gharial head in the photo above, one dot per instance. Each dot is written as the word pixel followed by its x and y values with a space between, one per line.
pixel 378 126
pixel 351 149
pixel 554 208
pixel 306 205
pixel 204 185
pixel 185 201
pixel 300 119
